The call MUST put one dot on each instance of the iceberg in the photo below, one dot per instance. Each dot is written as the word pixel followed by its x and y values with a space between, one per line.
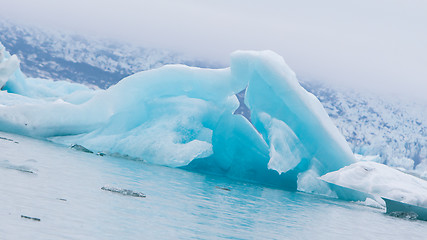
pixel 182 116
pixel 380 181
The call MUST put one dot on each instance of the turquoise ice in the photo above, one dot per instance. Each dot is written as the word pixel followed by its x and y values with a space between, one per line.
pixel 182 116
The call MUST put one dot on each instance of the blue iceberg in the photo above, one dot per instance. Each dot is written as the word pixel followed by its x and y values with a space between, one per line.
pixel 182 116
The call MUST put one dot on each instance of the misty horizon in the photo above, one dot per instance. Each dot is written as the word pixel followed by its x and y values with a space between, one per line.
pixel 377 46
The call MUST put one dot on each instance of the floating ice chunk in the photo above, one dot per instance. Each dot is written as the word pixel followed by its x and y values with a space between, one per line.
pixel 122 191
pixel 80 148
pixel 31 218
pixel 8 139
pixel 21 168
pixel 381 181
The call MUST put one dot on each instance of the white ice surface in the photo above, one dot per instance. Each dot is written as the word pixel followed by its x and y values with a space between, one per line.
pixel 381 181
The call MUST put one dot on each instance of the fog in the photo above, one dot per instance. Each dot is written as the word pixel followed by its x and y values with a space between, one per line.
pixel 366 44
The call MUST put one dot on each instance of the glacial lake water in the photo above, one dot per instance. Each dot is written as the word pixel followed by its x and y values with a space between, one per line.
pixel 62 188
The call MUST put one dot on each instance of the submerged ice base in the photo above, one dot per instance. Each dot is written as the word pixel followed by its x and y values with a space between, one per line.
pixel 182 116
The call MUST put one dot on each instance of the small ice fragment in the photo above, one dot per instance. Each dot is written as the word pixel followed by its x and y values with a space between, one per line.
pixel 223 188
pixel 21 168
pixel 31 218
pixel 406 215
pixel 80 148
pixel 7 139
pixel 122 191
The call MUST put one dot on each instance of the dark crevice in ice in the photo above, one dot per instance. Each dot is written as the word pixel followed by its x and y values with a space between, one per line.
pixel 243 109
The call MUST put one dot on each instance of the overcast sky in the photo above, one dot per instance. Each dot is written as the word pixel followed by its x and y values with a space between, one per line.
pixel 376 44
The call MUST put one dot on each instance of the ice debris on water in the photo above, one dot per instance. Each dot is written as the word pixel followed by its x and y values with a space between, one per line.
pixel 80 148
pixel 31 218
pixel 22 168
pixel 122 191
pixel 223 188
pixel 405 215
pixel 8 139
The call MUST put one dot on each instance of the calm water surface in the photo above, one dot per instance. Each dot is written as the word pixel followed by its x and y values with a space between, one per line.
pixel 179 204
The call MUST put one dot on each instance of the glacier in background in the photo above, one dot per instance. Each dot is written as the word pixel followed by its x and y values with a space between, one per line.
pixel 390 131
pixel 183 116
pixel 99 62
